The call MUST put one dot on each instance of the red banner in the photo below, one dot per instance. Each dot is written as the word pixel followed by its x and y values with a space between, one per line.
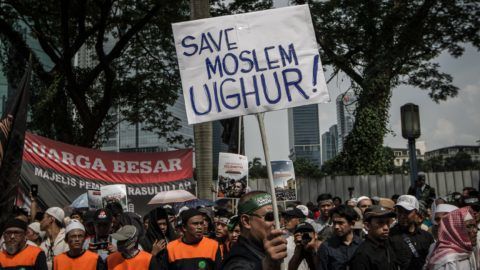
pixel 131 168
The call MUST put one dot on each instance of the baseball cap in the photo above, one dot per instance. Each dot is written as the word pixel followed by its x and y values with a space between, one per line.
pixel 304 227
pixel 74 225
pixel 408 202
pixel 124 233
pixel 102 216
pixel 295 213
pixel 376 211
pixel 57 213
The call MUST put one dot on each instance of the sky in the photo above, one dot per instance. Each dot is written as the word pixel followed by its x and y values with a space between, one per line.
pixel 452 122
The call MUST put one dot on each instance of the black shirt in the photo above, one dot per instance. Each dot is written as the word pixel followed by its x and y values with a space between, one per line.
pixel 335 255
pixel 371 255
pixel 244 255
pixel 417 244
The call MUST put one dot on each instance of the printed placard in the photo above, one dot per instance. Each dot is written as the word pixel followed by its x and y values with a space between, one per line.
pixel 232 175
pixel 284 180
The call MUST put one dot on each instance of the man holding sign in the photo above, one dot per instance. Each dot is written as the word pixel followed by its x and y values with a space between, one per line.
pixel 259 245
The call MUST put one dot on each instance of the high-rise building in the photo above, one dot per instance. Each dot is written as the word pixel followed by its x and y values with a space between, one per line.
pixel 304 133
pixel 329 143
pixel 129 137
pixel 346 105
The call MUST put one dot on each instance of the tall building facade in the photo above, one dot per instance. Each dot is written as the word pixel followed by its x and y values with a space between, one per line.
pixel 329 143
pixel 346 105
pixel 129 137
pixel 304 133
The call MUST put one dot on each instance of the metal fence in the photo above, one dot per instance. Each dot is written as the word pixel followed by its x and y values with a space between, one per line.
pixel 375 185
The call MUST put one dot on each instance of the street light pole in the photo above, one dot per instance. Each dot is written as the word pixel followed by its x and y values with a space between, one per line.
pixel 410 119
pixel 412 153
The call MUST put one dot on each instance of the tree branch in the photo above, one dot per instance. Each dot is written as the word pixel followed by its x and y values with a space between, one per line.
pixel 340 61
pixel 122 43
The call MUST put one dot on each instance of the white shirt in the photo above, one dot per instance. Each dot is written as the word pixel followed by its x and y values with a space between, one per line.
pixel 457 261
pixel 59 246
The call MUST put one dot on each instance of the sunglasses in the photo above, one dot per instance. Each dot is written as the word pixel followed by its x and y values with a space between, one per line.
pixel 269 217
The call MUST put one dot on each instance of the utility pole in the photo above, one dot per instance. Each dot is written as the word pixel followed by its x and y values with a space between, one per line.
pixel 200 9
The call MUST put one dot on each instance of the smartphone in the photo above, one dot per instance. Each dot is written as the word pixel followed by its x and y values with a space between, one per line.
pixel 34 190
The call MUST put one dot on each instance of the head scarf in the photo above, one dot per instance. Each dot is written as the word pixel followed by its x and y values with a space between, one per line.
pixel 452 237
pixel 154 233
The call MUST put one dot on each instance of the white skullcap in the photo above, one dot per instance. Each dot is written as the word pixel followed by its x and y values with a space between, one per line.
pixel 361 198
pixel 445 208
pixel 35 226
pixel 57 213
pixel 74 225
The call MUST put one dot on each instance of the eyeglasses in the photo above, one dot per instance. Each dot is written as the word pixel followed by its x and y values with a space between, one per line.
pixel 16 234
pixel 269 217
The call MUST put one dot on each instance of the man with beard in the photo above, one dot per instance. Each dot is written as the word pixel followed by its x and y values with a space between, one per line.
pixel 407 231
pixel 193 250
pixel 17 253
pixel 77 256
pixel 129 256
pixel 376 252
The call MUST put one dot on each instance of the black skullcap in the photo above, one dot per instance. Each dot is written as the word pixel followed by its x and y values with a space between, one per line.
pixel 189 213
pixel 15 223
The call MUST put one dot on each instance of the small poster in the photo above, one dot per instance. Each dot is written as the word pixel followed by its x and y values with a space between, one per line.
pixel 232 175
pixel 284 180
pixel 115 193
pixel 94 199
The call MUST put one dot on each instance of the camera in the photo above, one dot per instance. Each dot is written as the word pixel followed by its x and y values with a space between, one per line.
pixel 306 238
pixel 100 245
pixel 351 189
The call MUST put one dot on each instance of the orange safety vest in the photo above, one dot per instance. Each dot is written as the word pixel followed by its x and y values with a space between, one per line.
pixel 87 261
pixel 25 258
pixel 206 249
pixel 116 261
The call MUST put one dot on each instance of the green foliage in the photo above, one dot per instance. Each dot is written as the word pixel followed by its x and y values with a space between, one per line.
pixel 380 45
pixel 129 45
pixel 305 168
pixel 256 169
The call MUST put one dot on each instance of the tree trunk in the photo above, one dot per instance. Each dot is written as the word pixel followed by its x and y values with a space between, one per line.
pixel 203 132
pixel 363 151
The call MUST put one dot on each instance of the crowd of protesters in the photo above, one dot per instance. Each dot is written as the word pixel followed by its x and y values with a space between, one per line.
pixel 413 231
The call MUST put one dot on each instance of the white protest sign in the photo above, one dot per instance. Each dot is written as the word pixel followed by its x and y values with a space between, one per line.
pixel 249 63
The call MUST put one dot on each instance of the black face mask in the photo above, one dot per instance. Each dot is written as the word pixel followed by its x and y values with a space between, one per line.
pixel 127 247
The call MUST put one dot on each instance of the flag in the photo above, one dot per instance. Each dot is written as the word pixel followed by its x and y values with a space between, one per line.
pixel 230 134
pixel 12 137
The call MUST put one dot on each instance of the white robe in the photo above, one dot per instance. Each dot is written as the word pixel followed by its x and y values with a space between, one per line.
pixel 457 261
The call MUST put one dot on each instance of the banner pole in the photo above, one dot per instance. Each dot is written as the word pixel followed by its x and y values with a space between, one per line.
pixel 261 125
